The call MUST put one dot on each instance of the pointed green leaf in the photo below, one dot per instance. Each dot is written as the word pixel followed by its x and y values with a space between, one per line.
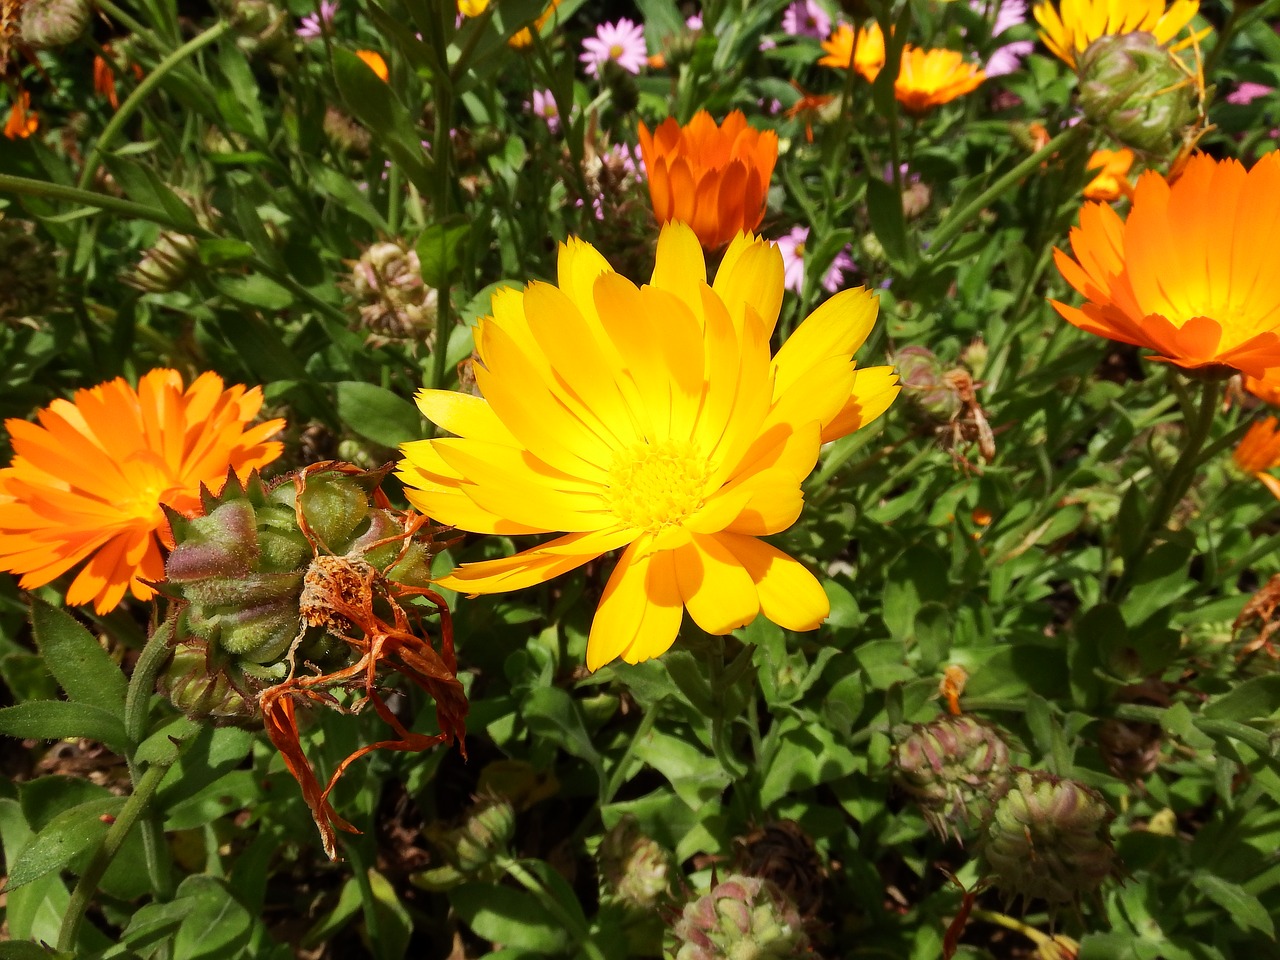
pixel 76 660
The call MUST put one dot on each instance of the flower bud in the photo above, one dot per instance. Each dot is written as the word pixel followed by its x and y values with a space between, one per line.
pixel 1048 839
pixel 44 24
pixel 395 303
pixel 346 133
pixel 484 836
pixel 1135 90
pixel 952 767
pixel 921 375
pixel 167 265
pixel 741 917
pixel 635 868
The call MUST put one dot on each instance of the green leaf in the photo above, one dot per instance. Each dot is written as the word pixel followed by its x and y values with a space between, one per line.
pixel 378 414
pixel 217 926
pixel 1243 907
pixel 153 922
pixel 807 755
pixel 395 926
pixel 62 839
pixel 695 776
pixel 510 917
pixel 255 290
pixel 438 250
pixel 76 660
pixel 553 714
pixel 60 720
pixel 26 950
pixel 884 208
pixel 1256 699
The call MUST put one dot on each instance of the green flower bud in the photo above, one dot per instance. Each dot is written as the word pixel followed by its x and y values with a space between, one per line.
pixel 485 836
pixel 394 302
pixel 1048 839
pixel 952 767
pixel 1135 90
pixel 44 24
pixel 742 918
pixel 262 28
pixel 921 374
pixel 635 869
pixel 167 265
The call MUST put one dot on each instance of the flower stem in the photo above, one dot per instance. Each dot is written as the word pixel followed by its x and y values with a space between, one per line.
pixel 950 228
pixel 140 93
pixel 25 187
pixel 580 934
pixel 1175 487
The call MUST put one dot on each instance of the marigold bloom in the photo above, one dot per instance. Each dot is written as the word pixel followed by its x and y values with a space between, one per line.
pixel 88 482
pixel 1266 388
pixel 930 78
pixel 865 49
pixel 1112 181
pixel 524 37
pixel 1259 452
pixel 654 419
pixel 374 61
pixel 23 121
pixel 1191 272
pixel 472 8
pixel 1070 27
pixel 714 178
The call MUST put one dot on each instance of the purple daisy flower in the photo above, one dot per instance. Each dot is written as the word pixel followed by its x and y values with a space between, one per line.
pixel 621 42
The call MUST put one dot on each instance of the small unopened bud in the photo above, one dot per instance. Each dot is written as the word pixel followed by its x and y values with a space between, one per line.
pixel 921 375
pixel 484 837
pixel 394 302
pixel 952 767
pixel 167 265
pixel 44 24
pixel 741 917
pixel 346 134
pixel 1133 88
pixel 635 868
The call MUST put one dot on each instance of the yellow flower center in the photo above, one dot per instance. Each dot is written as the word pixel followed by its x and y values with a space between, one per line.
pixel 615 51
pixel 652 486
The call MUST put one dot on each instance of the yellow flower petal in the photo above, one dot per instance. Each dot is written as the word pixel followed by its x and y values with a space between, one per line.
pixel 790 595
pixel 640 611
pixel 534 566
pixel 718 593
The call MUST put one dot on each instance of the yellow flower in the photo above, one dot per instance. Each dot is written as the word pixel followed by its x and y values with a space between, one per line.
pixel 930 78
pixel 373 60
pixel 89 481
pixel 651 419
pixel 523 38
pixel 472 8
pixel 1067 29
pixel 1112 182
pixel 1191 272
pixel 1259 452
pixel 866 50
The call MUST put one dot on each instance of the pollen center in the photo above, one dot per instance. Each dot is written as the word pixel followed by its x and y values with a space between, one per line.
pixel 658 485
pixel 615 51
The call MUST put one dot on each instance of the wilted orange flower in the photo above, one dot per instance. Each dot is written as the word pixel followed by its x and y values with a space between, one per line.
pixel 809 107
pixel 1071 26
pixel 90 480
pixel 523 38
pixel 714 178
pixel 930 78
pixel 652 419
pixel 1191 272
pixel 104 78
pixel 865 49
pixel 22 122
pixel 375 63
pixel 1112 181
pixel 1259 452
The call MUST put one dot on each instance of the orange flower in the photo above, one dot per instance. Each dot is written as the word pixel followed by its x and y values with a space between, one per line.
pixel 714 178
pixel 930 78
pixel 1259 451
pixel 104 78
pixel 375 63
pixel 1112 181
pixel 866 50
pixel 90 480
pixel 1191 272
pixel 1265 388
pixel 523 38
pixel 22 122
pixel 809 107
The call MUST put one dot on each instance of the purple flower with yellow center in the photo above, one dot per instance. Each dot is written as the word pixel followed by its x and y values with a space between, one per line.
pixel 316 25
pixel 792 248
pixel 622 43
pixel 806 18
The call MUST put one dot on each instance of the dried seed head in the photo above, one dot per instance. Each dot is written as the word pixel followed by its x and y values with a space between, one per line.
pixel 952 768
pixel 742 917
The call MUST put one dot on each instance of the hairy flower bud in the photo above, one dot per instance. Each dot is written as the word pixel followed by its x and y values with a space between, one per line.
pixel 44 24
pixel 394 302
pixel 1048 839
pixel 742 917
pixel 921 375
pixel 167 265
pixel 951 768
pixel 1134 89
pixel 635 868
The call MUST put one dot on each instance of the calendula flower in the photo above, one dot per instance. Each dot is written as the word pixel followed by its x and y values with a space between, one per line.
pixel 23 121
pixel 1191 272
pixel 714 178
pixel 651 419
pixel 1259 452
pixel 930 78
pixel 865 49
pixel 621 43
pixel 89 481
pixel 373 60
pixel 523 38
pixel 472 8
pixel 1112 181
pixel 1069 27
pixel 1265 388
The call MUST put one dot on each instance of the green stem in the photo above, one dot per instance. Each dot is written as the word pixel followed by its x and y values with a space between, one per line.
pixel 958 220
pixel 23 186
pixel 581 935
pixel 1174 488
pixel 133 809
pixel 619 775
pixel 140 93
pixel 442 154
pixel 137 702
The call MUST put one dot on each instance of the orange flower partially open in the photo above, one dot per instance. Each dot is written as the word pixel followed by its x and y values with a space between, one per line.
pixel 865 48
pixel 1112 181
pixel 1191 273
pixel 930 78
pixel 374 61
pixel 22 122
pixel 1259 452
pixel 89 481
pixel 714 178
